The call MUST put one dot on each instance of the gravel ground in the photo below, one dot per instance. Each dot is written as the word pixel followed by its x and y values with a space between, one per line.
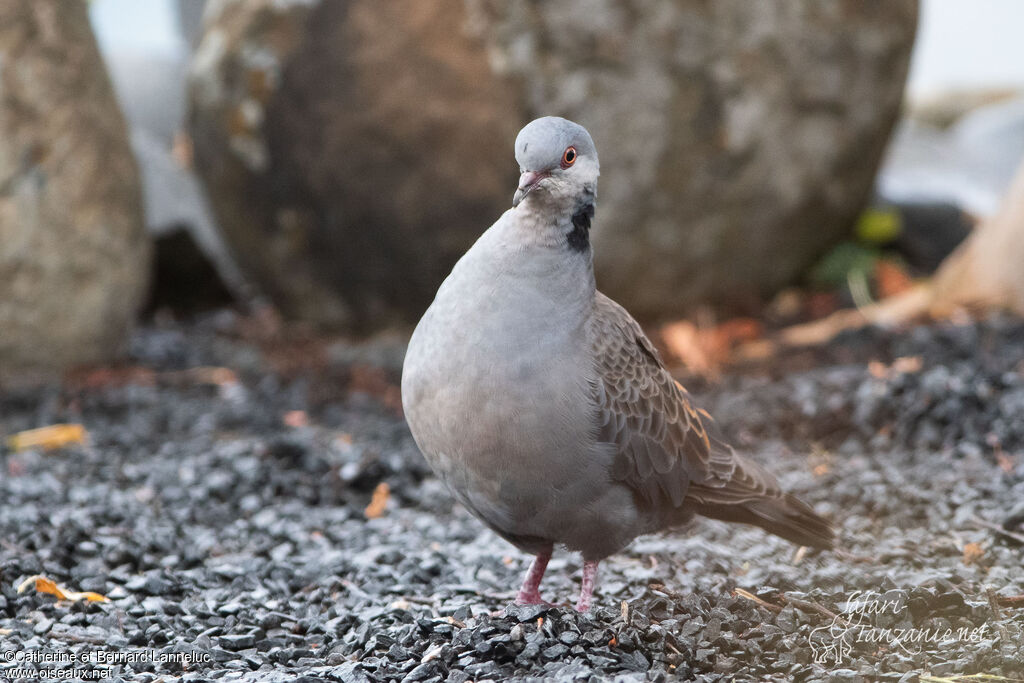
pixel 230 533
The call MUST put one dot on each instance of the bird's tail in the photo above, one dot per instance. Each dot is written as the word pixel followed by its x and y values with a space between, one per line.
pixel 786 516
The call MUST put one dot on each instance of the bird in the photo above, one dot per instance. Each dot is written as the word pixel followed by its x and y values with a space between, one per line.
pixel 544 407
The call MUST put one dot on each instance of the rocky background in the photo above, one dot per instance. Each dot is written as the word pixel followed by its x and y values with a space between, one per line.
pixel 73 251
pixel 333 159
pixel 354 150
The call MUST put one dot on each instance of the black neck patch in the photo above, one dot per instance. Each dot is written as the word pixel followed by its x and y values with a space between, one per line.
pixel 579 238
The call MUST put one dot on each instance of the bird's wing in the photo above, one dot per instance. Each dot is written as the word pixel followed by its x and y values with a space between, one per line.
pixel 662 445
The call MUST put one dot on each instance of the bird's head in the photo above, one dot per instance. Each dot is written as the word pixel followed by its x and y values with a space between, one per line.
pixel 558 162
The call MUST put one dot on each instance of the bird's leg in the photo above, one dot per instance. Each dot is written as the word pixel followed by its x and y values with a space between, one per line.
pixel 529 594
pixel 587 586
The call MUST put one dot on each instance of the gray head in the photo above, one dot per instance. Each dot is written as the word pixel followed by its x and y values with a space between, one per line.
pixel 558 162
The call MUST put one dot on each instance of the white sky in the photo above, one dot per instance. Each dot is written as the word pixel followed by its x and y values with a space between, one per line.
pixel 148 26
pixel 960 43
pixel 968 44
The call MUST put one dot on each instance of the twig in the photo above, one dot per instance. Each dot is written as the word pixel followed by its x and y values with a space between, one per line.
pixel 850 557
pixel 750 596
pixel 661 588
pixel 985 524
pixel 993 602
pixel 76 638
pixel 1010 600
pixel 810 606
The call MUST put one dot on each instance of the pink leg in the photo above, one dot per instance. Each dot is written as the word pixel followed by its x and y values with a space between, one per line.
pixel 587 586
pixel 529 594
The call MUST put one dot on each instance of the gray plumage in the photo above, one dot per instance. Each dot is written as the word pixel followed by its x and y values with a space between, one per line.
pixel 544 407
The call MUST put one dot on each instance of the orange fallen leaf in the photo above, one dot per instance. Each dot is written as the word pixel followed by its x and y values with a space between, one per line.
pixel 683 339
pixel 973 552
pixel 296 418
pixel 379 501
pixel 891 278
pixel 53 436
pixel 877 369
pixel 821 470
pixel 49 586
pixel 613 642
pixel 904 365
pixel 216 376
pixel 1006 463
pixel 705 349
pixel 907 365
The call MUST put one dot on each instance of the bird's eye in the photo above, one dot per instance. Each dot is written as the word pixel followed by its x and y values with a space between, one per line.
pixel 569 157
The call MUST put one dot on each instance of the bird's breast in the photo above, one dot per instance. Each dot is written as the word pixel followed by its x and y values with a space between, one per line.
pixel 499 386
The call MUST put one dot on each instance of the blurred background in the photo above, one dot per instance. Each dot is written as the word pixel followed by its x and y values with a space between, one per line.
pixel 322 165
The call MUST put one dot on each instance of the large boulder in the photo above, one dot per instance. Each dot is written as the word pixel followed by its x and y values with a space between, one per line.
pixel 73 252
pixel 355 149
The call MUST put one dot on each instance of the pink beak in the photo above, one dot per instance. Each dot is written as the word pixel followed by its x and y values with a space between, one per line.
pixel 527 182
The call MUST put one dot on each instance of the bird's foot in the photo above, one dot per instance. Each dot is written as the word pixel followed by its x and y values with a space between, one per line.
pixel 587 587
pixel 532 598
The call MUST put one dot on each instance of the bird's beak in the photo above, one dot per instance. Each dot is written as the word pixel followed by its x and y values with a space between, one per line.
pixel 527 182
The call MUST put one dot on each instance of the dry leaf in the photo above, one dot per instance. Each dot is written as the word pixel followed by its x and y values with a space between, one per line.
pixel 973 552
pixel 1005 462
pixel 379 501
pixel 703 350
pixel 296 418
pixel 211 375
pixel 787 304
pixel 891 279
pixel 904 365
pixel 684 340
pixel 53 436
pixel 907 365
pixel 49 586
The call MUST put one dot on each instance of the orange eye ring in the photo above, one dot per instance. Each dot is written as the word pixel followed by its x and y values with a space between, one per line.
pixel 569 157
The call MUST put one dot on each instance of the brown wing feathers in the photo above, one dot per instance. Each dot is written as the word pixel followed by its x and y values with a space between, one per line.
pixel 663 449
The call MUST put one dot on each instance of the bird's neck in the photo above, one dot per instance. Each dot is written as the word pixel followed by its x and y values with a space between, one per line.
pixel 578 238
pixel 546 253
pixel 562 225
